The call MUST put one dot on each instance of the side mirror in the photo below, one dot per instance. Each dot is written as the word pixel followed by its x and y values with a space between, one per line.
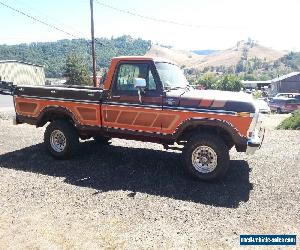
pixel 140 83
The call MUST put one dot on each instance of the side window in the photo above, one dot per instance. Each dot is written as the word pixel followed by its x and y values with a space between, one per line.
pixel 151 85
pixel 126 75
pixel 128 72
pixel 292 101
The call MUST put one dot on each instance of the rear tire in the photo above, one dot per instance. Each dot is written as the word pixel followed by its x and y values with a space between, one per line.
pixel 206 157
pixel 278 111
pixel 61 139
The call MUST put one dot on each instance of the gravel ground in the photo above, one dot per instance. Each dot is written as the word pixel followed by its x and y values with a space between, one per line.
pixel 6 113
pixel 135 195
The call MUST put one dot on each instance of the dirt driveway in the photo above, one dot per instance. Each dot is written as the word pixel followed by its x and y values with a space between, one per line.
pixel 135 195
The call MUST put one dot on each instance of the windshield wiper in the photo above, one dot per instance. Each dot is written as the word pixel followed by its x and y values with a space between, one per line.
pixel 174 88
pixel 188 87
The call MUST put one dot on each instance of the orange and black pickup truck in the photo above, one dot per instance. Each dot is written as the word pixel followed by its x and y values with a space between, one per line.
pixel 146 99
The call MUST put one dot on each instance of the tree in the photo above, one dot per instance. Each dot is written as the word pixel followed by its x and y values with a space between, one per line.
pixel 230 83
pixel 208 80
pixel 53 55
pixel 76 71
pixel 240 67
pixel 227 82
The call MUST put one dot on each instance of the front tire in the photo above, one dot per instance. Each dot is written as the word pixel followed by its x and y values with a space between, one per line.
pixel 61 139
pixel 206 157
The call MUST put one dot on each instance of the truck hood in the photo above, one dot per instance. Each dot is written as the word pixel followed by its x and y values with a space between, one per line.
pixel 212 99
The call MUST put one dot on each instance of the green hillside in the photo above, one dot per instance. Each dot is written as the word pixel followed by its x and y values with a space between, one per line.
pixel 257 69
pixel 53 54
pixel 249 61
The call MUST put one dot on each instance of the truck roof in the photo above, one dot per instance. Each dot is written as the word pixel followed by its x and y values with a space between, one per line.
pixel 142 58
pixel 115 61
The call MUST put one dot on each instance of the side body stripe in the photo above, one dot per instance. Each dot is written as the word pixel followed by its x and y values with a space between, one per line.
pixel 148 118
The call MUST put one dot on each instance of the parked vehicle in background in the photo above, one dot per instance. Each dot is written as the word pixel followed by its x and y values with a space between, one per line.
pixel 288 95
pixel 262 106
pixel 266 99
pixel 5 88
pixel 284 105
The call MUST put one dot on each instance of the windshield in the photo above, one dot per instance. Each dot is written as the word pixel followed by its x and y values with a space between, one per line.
pixel 171 75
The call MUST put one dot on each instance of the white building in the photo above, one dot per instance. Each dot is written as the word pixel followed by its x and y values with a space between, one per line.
pixel 21 73
pixel 289 83
pixel 255 84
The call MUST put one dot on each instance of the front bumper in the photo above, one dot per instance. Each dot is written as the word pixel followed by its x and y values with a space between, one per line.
pixel 256 140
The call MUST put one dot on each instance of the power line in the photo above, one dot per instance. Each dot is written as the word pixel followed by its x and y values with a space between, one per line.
pixel 38 20
pixel 38 13
pixel 156 19
pixel 49 25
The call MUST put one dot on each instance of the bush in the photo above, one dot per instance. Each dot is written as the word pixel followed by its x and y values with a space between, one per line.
pixel 292 122
pixel 227 82
pixel 207 80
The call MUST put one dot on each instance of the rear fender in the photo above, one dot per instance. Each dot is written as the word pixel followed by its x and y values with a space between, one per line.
pixel 51 113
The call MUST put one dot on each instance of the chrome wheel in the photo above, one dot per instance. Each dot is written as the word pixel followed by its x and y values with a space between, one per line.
pixel 58 141
pixel 204 159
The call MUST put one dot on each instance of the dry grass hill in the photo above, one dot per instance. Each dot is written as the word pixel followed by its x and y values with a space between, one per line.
pixel 181 57
pixel 228 57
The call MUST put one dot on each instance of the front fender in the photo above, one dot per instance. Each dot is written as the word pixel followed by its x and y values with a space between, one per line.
pixel 221 125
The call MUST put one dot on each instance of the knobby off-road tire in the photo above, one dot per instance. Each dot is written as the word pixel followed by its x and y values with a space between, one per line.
pixel 206 157
pixel 61 139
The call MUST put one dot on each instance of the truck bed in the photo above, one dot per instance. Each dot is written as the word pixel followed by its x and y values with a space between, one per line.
pixel 34 104
pixel 61 93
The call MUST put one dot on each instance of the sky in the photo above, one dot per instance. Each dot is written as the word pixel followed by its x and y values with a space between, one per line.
pixel 210 24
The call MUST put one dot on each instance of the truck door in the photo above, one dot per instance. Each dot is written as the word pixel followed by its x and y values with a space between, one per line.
pixel 123 109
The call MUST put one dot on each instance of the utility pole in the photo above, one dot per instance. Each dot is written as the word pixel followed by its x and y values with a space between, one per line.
pixel 93 44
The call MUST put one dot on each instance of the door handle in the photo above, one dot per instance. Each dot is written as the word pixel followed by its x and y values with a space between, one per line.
pixel 116 97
